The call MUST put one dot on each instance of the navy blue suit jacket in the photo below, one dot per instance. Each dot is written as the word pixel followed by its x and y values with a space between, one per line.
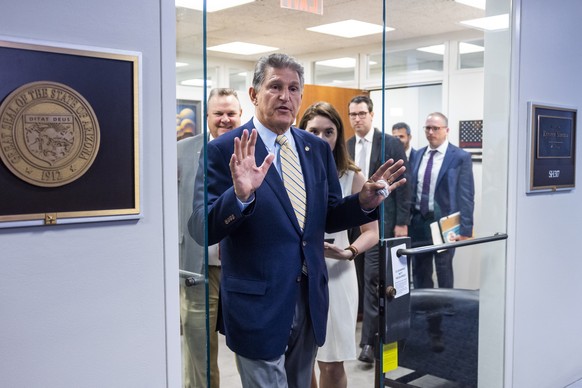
pixel 455 188
pixel 262 249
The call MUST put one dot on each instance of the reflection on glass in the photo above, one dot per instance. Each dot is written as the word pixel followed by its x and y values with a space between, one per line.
pixel 335 72
pixel 405 62
pixel 471 54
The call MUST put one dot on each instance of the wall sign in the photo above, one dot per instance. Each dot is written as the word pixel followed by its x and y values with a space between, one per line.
pixel 69 138
pixel 552 156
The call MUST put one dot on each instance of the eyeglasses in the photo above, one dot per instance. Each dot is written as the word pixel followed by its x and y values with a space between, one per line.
pixel 361 115
pixel 429 128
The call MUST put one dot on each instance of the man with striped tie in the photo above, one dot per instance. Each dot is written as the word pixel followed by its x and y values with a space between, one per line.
pixel 272 192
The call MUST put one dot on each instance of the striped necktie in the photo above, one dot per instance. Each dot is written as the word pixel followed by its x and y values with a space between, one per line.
pixel 292 179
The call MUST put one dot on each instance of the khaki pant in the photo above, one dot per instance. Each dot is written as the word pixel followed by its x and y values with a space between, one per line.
pixel 193 317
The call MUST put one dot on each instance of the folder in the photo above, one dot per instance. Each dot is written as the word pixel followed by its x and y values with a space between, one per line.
pixel 446 229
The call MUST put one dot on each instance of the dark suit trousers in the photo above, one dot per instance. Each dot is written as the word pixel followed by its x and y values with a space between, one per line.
pixel 422 265
pixel 371 280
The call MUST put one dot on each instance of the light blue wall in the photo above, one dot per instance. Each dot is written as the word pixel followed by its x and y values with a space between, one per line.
pixel 96 305
pixel 545 256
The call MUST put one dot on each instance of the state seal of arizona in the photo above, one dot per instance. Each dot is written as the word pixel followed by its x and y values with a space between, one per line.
pixel 49 134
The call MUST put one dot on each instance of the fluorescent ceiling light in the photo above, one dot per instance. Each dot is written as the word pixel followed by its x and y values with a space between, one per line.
pixel 473 3
pixel 490 23
pixel 438 49
pixel 211 5
pixel 195 82
pixel 342 63
pixel 242 48
pixel 464 48
pixel 349 29
pixel 181 64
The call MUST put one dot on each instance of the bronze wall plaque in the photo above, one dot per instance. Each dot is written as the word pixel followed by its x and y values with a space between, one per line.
pixel 49 134
pixel 69 134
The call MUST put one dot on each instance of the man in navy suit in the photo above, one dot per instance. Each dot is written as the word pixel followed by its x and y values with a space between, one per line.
pixel 450 189
pixel 274 295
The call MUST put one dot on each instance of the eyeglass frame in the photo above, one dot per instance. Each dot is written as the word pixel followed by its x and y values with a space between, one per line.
pixel 433 128
pixel 361 115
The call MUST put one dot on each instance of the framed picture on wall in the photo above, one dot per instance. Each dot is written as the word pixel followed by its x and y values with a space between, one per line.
pixel 69 134
pixel 188 118
pixel 552 154
pixel 471 137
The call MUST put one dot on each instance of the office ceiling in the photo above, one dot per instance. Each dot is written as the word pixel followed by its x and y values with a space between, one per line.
pixel 265 22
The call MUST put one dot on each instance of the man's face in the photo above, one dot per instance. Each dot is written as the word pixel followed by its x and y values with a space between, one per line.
pixel 223 114
pixel 437 134
pixel 404 137
pixel 360 118
pixel 278 99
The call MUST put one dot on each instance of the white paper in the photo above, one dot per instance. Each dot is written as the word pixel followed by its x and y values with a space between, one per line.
pixel 400 271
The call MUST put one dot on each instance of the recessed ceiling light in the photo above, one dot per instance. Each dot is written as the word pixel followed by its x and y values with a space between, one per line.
pixel 181 64
pixel 464 48
pixel 211 6
pixel 342 63
pixel 195 82
pixel 490 23
pixel 349 29
pixel 473 3
pixel 242 48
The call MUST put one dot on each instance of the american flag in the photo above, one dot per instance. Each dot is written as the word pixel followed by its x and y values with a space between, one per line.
pixel 471 133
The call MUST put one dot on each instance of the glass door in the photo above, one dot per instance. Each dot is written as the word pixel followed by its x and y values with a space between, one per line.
pixel 419 65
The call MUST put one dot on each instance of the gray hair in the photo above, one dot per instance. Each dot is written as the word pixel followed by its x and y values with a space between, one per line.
pixel 276 61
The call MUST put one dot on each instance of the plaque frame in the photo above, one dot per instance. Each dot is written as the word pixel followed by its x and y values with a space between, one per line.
pixel 109 80
pixel 552 148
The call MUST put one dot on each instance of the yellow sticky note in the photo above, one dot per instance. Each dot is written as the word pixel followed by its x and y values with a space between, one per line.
pixel 389 357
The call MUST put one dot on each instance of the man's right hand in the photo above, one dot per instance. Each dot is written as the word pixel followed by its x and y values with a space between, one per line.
pixel 246 176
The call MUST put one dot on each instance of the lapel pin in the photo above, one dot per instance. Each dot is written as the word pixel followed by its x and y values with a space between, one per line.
pixel 306 148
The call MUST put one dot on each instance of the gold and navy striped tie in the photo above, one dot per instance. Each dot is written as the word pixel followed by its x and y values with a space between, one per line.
pixel 292 179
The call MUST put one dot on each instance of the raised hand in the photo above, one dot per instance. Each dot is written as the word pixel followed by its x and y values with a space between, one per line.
pixel 384 178
pixel 246 175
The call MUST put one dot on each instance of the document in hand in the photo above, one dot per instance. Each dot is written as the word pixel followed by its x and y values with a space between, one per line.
pixel 446 229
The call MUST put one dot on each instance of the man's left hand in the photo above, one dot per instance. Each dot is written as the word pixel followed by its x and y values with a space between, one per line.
pixel 384 178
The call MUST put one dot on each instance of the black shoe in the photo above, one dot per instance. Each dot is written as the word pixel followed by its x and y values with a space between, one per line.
pixel 437 345
pixel 367 354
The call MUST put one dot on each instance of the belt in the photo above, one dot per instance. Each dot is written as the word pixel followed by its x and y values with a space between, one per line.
pixel 429 215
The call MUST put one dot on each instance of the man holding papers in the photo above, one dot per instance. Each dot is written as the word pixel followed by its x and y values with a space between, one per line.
pixel 442 184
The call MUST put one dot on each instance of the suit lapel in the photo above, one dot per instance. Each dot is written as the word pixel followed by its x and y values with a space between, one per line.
pixel 352 147
pixel 449 157
pixel 375 154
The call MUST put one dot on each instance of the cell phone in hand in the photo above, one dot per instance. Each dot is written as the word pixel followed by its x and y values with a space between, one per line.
pixel 329 240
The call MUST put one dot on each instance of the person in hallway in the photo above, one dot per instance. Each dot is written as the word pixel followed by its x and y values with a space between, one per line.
pixel 401 131
pixel 442 184
pixel 323 120
pixel 365 147
pixel 272 193
pixel 224 114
